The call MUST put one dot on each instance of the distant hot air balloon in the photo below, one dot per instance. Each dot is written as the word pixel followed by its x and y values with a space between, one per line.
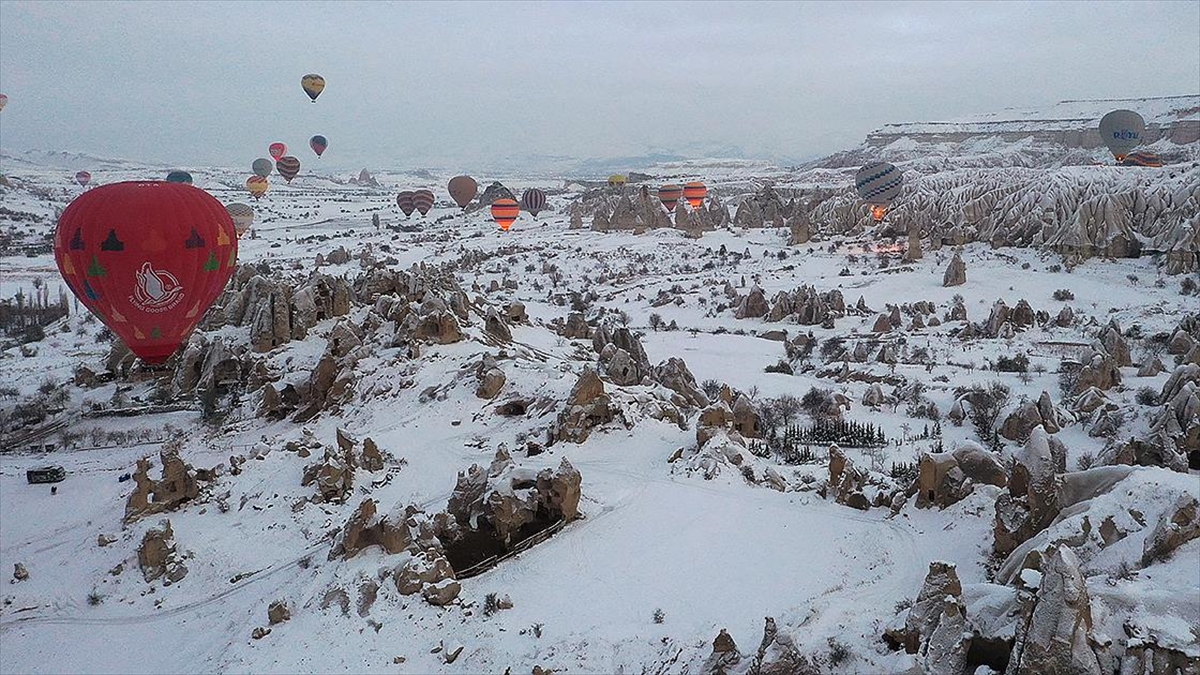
pixel 243 217
pixel 1121 131
pixel 669 196
pixel 695 192
pixel 262 167
pixel 277 150
pixel 616 180
pixel 257 185
pixel 313 85
pixel 462 190
pixel 405 201
pixel 288 167
pixel 83 178
pixel 179 177
pixel 318 144
pixel 423 201
pixel 533 200
pixel 3 101
pixel 148 259
pixel 1142 158
pixel 878 184
pixel 504 212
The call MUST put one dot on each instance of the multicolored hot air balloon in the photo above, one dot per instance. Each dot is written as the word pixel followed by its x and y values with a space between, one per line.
pixel 288 167
pixel 179 177
pixel 1121 131
pixel 277 150
pixel 462 190
pixel 313 85
pixel 242 215
pixel 1142 158
pixel 504 212
pixel 669 196
pixel 423 201
pixel 878 184
pixel 83 178
pixel 3 101
pixel 147 258
pixel 257 185
pixel 262 167
pixel 695 192
pixel 533 200
pixel 405 201
pixel 616 180
pixel 318 144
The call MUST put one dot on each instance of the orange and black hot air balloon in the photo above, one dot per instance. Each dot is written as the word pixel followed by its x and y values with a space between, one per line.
pixel 148 259
pixel 695 192
pixel 288 167
pixel 504 212
pixel 669 196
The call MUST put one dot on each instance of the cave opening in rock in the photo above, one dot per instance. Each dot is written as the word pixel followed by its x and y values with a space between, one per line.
pixel 474 546
pixel 991 652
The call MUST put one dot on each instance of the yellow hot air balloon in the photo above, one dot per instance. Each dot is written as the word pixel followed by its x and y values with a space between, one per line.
pixel 616 180
pixel 313 85
pixel 257 185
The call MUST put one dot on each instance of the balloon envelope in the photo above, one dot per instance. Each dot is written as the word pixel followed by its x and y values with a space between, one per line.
pixel 533 200
pixel 1142 158
pixel 262 167
pixel 277 150
pixel 695 192
pixel 616 179
pixel 405 201
pixel 257 185
pixel 242 215
pixel 669 196
pixel 878 183
pixel 318 144
pixel 504 212
pixel 179 177
pixel 288 167
pixel 148 259
pixel 313 85
pixel 423 201
pixel 1121 131
pixel 3 101
pixel 462 190
pixel 83 178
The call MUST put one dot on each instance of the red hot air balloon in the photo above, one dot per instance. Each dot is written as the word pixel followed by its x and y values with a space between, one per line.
pixel 695 192
pixel 405 201
pixel 147 258
pixel 504 212
pixel 533 200
pixel 669 196
pixel 318 144
pixel 288 167
pixel 83 178
pixel 277 150
pixel 423 201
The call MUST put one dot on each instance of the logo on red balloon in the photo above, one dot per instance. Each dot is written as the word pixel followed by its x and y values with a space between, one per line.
pixel 155 291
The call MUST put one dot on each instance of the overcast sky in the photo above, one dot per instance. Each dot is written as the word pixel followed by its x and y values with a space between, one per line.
pixel 450 84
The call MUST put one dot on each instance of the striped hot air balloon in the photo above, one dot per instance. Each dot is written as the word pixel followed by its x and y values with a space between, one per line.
pixel 262 167
pixel 423 201
pixel 405 201
pixel 1142 158
pixel 288 167
pixel 257 185
pixel 83 178
pixel 277 150
pixel 669 196
pixel 179 177
pixel 695 192
pixel 533 200
pixel 878 184
pixel 318 144
pixel 3 101
pixel 504 212
pixel 243 216
pixel 313 85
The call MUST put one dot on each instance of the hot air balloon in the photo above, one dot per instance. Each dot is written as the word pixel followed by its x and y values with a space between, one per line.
pixel 318 144
pixel 3 101
pixel 277 150
pixel 423 201
pixel 288 167
pixel 83 178
pixel 257 185
pixel 878 184
pixel 533 200
pixel 262 167
pixel 313 85
pixel 462 190
pixel 179 177
pixel 695 192
pixel 147 258
pixel 669 196
pixel 616 180
pixel 242 215
pixel 504 212
pixel 405 201
pixel 1121 131
pixel 1142 158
